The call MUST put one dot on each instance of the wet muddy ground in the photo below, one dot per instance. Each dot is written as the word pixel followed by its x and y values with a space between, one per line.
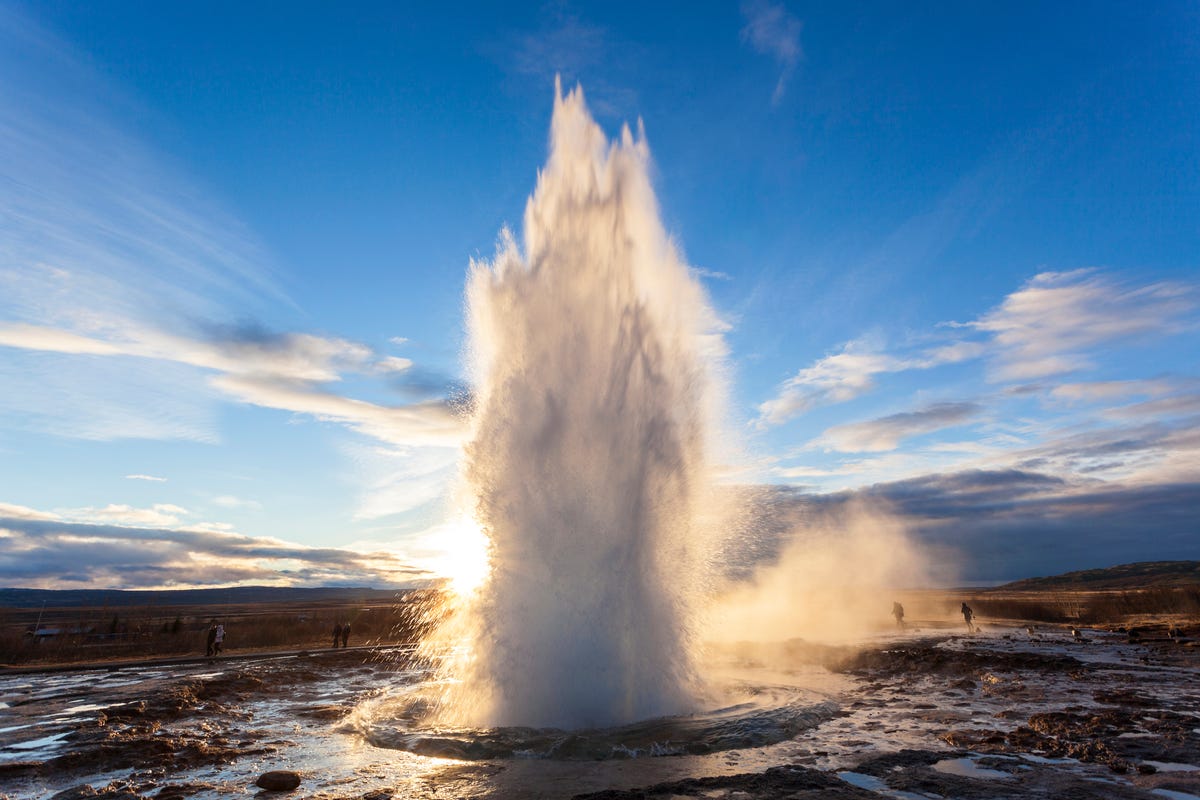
pixel 1007 713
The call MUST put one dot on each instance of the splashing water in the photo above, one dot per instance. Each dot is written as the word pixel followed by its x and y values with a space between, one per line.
pixel 594 353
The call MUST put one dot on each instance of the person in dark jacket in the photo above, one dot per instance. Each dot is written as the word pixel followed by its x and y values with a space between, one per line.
pixel 345 633
pixel 337 633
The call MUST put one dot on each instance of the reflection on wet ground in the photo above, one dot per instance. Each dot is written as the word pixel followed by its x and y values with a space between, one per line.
pixel 1003 714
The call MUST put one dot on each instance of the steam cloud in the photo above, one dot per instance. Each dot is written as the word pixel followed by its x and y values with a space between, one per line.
pixel 835 579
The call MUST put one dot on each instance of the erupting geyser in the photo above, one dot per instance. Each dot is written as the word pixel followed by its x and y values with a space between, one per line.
pixel 593 352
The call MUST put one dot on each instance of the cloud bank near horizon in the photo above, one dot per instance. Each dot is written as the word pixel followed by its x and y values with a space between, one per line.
pixel 120 547
pixel 1003 525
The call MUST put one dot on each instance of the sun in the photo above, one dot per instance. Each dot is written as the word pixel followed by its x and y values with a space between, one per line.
pixel 461 554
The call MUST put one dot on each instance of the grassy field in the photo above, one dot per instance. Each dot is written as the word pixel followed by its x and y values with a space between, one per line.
pixel 1108 608
pixel 100 633
pixel 1165 594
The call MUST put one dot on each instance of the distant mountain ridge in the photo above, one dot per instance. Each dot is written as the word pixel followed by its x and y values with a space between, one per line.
pixel 1139 575
pixel 95 598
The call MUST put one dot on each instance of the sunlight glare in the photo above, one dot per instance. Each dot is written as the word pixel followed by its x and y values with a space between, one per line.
pixel 463 554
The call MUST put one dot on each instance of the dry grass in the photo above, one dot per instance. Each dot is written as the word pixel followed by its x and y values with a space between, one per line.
pixel 1114 607
pixel 100 634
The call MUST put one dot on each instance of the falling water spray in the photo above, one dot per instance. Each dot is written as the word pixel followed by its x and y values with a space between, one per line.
pixel 594 354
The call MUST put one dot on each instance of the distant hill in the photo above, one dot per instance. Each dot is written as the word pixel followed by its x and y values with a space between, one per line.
pixel 1142 575
pixel 97 598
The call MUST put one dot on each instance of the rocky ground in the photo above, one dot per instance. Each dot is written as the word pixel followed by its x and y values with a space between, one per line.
pixel 1007 713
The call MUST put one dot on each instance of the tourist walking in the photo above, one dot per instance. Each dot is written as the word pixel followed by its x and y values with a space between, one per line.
pixel 218 639
pixel 898 613
pixel 211 641
pixel 345 633
pixel 968 615
pixel 337 633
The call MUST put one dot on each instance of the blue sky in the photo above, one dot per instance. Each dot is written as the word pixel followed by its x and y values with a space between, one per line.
pixel 955 248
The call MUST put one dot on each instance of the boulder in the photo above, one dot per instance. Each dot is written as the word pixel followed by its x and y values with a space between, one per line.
pixel 278 780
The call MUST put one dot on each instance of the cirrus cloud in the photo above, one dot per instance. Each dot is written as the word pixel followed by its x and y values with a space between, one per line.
pixel 1051 324
pixel 886 433
pixel 772 31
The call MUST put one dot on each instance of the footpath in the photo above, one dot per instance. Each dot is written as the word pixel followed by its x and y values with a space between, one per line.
pixel 171 661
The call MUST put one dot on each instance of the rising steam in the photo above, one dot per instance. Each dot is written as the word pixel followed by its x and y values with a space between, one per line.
pixel 835 580
pixel 592 350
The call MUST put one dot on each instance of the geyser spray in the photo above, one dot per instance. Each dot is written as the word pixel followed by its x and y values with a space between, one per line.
pixel 594 354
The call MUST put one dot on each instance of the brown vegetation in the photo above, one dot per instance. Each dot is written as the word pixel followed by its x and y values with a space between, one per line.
pixel 71 635
pixel 1116 607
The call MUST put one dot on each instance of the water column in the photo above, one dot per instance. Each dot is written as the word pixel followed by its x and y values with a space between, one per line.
pixel 593 350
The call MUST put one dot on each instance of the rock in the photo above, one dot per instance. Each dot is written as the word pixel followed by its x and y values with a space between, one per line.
pixel 324 712
pixel 278 780
pixel 88 792
pixel 182 791
pixel 77 793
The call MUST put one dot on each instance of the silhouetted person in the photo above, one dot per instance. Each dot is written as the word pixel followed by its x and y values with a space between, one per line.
pixel 218 639
pixel 898 613
pixel 968 615
pixel 337 633
pixel 211 643
pixel 345 633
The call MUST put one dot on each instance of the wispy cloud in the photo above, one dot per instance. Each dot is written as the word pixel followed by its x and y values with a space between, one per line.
pixel 848 374
pixel 231 501
pixel 117 278
pixel 712 274
pixel 1103 391
pixel 1145 443
pixel 83 197
pixel 160 514
pixel 572 49
pixel 833 379
pixel 1050 325
pixel 282 371
pixel 291 356
pixel 392 480
pixel 431 423
pixel 140 477
pixel 886 433
pixel 772 31
pixel 1054 325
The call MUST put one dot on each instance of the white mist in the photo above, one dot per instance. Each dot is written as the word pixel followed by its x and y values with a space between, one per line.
pixel 593 351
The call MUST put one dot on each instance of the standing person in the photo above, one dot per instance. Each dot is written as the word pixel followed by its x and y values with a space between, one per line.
pixel 345 633
pixel 211 642
pixel 898 613
pixel 218 639
pixel 968 615
pixel 337 633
